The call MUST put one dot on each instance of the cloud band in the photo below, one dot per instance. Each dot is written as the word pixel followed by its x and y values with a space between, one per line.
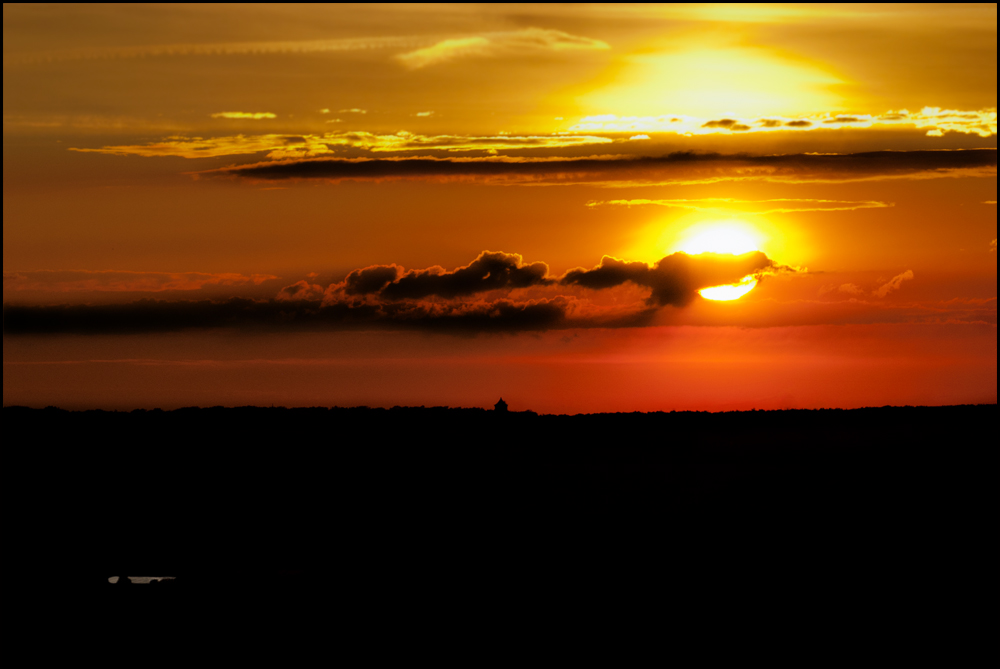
pixel 478 297
pixel 685 167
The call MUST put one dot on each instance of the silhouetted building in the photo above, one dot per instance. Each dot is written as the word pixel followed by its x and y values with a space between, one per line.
pixel 500 406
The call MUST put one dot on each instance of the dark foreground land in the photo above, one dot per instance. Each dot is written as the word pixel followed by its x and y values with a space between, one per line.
pixel 358 537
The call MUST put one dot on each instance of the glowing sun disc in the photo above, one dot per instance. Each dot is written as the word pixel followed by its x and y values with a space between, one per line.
pixel 729 293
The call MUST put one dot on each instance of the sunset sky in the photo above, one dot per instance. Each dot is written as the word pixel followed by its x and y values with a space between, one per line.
pixel 579 208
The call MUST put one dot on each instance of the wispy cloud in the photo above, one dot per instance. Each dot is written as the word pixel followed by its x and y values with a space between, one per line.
pixel 425 114
pixel 220 49
pixel 278 146
pixel 893 284
pixel 420 50
pixel 354 111
pixel 851 289
pixel 446 50
pixel 936 122
pixel 990 202
pixel 788 205
pixel 304 146
pixel 993 246
pixel 254 116
pixel 515 43
pixel 71 281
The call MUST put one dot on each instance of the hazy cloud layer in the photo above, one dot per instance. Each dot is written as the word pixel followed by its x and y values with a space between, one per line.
pixel 148 316
pixel 488 294
pixel 71 281
pixel 424 50
pixel 847 289
pixel 786 205
pixel 677 168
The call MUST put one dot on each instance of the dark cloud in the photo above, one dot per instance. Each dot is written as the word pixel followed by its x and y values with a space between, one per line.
pixel 676 279
pixel 770 123
pixel 490 271
pixel 116 281
pixel 610 273
pixel 727 124
pixel 843 119
pixel 370 279
pixel 301 290
pixel 723 123
pixel 683 166
pixel 799 124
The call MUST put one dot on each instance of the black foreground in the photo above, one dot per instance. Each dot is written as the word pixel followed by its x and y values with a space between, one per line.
pixel 364 537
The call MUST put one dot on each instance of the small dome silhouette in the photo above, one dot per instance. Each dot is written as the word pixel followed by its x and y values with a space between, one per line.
pixel 500 406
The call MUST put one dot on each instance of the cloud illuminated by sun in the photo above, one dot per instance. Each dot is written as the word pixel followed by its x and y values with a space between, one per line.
pixel 735 238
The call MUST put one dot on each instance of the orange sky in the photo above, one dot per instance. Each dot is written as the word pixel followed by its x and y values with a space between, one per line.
pixel 442 204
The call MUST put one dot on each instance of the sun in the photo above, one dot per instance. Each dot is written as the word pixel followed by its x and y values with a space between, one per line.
pixel 729 238
pixel 729 293
pixel 734 238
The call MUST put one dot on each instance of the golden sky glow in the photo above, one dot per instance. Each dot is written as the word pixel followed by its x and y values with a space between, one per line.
pixel 733 81
pixel 466 201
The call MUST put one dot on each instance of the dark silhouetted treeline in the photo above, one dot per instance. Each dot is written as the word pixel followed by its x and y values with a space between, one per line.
pixel 463 537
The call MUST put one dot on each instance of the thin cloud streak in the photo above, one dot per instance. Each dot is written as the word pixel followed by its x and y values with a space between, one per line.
pixel 71 281
pixel 716 204
pixel 221 49
pixel 253 116
pixel 935 121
